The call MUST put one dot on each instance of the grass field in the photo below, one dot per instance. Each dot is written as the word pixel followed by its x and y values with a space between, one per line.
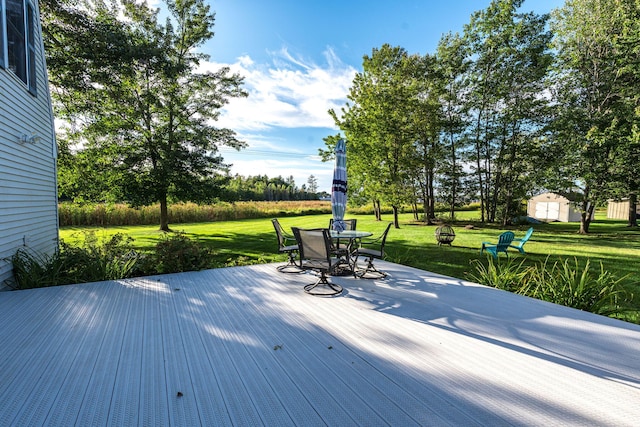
pixel 414 244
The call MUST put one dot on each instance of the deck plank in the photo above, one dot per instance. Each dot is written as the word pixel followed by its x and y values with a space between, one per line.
pixel 95 407
pixel 246 346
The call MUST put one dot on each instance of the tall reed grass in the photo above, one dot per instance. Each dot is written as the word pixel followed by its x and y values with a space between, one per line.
pixel 71 214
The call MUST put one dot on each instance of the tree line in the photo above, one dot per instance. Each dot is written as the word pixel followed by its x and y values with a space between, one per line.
pixel 263 188
pixel 517 103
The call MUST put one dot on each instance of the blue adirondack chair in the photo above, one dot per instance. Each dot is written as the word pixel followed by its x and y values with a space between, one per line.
pixel 519 243
pixel 504 240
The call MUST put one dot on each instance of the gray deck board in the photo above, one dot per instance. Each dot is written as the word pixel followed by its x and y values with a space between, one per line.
pixel 246 346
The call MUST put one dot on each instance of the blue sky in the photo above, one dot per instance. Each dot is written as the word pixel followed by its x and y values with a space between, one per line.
pixel 299 58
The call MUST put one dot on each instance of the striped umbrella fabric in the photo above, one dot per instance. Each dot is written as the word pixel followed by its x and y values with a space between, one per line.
pixel 339 186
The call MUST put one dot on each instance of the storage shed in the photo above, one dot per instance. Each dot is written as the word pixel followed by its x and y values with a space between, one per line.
pixel 28 193
pixel 552 207
pixel 619 209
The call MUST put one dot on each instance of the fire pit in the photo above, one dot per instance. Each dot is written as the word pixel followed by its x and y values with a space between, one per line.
pixel 445 234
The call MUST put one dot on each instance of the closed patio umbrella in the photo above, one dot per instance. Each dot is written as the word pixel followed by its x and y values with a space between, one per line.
pixel 339 186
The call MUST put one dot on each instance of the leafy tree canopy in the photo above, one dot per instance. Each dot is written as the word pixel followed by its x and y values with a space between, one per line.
pixel 135 97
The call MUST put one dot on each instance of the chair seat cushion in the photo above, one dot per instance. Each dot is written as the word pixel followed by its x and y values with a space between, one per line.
pixel 319 264
pixel 370 252
pixel 289 248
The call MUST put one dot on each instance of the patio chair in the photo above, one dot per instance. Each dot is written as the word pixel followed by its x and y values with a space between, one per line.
pixel 284 247
pixel 504 240
pixel 519 243
pixel 349 224
pixel 315 255
pixel 371 253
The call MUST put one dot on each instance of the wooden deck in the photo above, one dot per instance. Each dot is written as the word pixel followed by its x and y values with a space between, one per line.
pixel 246 346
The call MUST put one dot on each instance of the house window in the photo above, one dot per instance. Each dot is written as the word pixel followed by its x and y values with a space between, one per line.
pixel 17 40
pixel 1 34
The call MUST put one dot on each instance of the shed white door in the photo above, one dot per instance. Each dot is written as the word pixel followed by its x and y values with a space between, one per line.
pixel 548 210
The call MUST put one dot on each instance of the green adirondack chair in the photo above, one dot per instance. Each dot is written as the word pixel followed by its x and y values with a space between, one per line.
pixel 504 240
pixel 519 243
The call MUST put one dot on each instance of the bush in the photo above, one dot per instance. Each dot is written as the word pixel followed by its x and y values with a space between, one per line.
pixel 506 275
pixel 563 283
pixel 567 284
pixel 176 253
pixel 91 261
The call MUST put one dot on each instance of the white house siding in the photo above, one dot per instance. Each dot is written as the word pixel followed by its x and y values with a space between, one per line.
pixel 28 195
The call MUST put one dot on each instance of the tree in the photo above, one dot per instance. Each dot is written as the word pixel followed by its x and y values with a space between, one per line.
pixel 426 122
pixel 144 106
pixel 378 128
pixel 627 151
pixel 511 59
pixel 85 177
pixel 312 184
pixel 592 113
pixel 453 64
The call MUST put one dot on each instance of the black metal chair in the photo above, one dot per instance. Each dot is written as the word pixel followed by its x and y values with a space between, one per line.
pixel 284 247
pixel 370 253
pixel 315 255
pixel 349 224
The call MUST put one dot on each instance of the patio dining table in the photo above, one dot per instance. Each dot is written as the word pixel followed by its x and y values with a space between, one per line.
pixel 351 237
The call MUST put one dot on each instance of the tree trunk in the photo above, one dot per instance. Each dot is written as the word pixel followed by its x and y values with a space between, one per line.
pixel 425 211
pixel 507 209
pixel 432 199
pixel 425 205
pixel 633 216
pixel 164 214
pixel 396 223
pixel 376 210
pixel 585 218
pixel 480 184
pixel 454 178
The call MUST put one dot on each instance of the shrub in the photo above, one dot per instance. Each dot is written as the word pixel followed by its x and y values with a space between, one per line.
pixel 244 260
pixel 506 275
pixel 567 284
pixel 91 261
pixel 176 253
pixel 563 283
pixel 34 270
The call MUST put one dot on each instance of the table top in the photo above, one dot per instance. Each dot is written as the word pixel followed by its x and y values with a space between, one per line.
pixel 349 234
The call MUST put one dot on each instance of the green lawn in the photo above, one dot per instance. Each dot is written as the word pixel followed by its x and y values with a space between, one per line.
pixel 414 244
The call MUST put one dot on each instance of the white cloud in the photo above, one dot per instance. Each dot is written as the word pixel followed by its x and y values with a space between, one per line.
pixel 290 92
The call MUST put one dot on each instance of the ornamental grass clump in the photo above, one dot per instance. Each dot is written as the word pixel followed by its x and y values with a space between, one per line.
pixel 507 275
pixel 569 284
pixel 563 282
pixel 93 260
pixel 90 261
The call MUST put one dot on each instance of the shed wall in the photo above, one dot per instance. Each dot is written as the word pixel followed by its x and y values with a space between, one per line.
pixel 551 206
pixel 620 210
